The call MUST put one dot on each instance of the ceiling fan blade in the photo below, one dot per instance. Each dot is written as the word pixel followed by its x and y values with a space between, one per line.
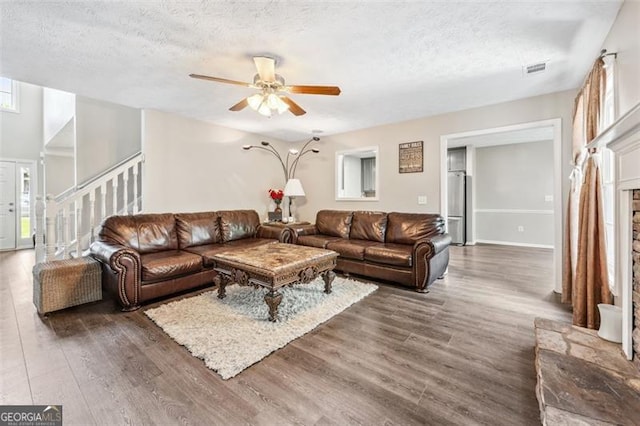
pixel 220 80
pixel 266 68
pixel 240 105
pixel 315 90
pixel 293 107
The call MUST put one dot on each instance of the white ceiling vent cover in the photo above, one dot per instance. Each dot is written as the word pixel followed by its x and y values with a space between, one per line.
pixel 536 68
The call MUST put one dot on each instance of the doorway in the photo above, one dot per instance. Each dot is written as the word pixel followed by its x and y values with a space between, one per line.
pixel 487 137
pixel 18 185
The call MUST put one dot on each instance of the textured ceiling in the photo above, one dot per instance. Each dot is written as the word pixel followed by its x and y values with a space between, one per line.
pixel 394 61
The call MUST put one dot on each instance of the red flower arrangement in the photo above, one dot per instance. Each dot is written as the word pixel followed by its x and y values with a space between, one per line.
pixel 276 196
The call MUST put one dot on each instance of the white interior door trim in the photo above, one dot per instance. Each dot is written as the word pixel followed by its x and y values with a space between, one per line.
pixel 21 243
pixel 556 124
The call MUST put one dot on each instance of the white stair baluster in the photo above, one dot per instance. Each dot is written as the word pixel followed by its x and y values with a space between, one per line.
pixel 103 202
pixel 78 225
pixel 39 231
pixel 64 220
pixel 135 189
pixel 50 236
pixel 125 191
pixel 92 215
pixel 114 188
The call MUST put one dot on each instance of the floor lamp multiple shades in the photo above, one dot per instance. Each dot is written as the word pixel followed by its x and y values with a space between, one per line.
pixel 293 187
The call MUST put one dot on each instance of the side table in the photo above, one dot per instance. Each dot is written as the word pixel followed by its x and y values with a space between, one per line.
pixel 285 237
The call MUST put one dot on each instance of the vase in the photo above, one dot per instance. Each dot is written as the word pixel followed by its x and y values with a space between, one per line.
pixel 278 209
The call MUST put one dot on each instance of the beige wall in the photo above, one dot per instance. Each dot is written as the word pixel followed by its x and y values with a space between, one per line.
pixel 511 183
pixel 21 133
pixel 106 134
pixel 192 166
pixel 399 192
pixel 624 38
pixel 60 170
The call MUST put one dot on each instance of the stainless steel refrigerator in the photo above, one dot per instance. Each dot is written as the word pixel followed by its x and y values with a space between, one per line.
pixel 457 207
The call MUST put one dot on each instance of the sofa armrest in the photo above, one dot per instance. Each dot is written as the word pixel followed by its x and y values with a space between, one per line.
pixel 436 243
pixel 271 232
pixel 430 260
pixel 295 231
pixel 125 267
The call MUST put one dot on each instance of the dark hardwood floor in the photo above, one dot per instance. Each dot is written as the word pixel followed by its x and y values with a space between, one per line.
pixel 461 354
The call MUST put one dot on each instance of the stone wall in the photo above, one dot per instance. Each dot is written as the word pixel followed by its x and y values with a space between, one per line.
pixel 636 276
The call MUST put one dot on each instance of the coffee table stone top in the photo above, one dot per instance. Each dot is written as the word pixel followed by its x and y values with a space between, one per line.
pixel 274 259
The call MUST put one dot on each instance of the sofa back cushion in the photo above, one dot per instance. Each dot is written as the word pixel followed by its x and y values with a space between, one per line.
pixel 238 224
pixel 145 233
pixel 407 228
pixel 196 229
pixel 336 223
pixel 156 232
pixel 120 230
pixel 368 226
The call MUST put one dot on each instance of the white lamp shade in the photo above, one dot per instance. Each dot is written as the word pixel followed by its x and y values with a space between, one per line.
pixel 293 188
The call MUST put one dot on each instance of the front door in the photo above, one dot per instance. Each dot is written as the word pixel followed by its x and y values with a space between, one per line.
pixel 7 205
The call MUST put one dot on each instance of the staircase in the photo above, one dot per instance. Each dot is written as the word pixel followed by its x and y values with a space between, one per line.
pixel 66 225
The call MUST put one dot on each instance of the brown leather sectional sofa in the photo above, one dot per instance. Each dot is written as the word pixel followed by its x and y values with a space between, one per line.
pixel 407 248
pixel 153 255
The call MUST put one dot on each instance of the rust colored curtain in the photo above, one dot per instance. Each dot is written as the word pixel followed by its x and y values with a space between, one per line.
pixel 591 285
pixel 585 279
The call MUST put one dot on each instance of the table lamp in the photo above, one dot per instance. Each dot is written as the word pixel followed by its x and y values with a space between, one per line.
pixel 293 189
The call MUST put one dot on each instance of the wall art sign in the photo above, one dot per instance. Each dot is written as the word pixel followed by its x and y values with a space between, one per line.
pixel 410 158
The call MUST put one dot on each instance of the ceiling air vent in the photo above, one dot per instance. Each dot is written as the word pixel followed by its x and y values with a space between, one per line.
pixel 534 68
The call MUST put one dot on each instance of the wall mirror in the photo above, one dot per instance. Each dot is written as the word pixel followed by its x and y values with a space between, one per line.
pixel 357 174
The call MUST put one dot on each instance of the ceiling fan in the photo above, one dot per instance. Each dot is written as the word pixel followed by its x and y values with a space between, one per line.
pixel 272 95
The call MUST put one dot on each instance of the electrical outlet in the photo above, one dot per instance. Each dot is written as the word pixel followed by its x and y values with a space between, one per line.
pixel 422 199
pixel 548 198
pixel 520 228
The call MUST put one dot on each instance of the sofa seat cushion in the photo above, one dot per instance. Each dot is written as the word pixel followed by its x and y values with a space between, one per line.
pixel 319 241
pixel 350 249
pixel 209 250
pixel 170 263
pixel 390 254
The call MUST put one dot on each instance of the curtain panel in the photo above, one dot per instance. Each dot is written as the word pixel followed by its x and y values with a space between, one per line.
pixel 585 280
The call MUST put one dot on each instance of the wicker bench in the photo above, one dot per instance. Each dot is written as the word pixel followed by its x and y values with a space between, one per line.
pixel 60 284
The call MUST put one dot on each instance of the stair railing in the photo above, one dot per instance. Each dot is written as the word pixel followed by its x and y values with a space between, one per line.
pixel 66 225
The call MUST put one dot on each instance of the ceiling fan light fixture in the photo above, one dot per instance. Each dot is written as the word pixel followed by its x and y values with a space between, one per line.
pixel 276 103
pixel 272 91
pixel 264 109
pixel 255 101
pixel 282 105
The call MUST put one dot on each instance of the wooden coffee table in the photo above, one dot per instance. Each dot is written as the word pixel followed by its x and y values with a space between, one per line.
pixel 273 266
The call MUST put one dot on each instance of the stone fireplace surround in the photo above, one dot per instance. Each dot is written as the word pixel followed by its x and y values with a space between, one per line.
pixel 635 245
pixel 583 379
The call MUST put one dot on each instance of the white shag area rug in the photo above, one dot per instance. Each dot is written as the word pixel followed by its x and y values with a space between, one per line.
pixel 233 333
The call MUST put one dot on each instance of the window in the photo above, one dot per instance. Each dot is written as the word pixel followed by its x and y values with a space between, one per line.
pixel 25 202
pixel 607 117
pixel 8 95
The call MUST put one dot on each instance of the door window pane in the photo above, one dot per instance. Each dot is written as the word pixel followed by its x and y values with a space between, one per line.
pixel 25 203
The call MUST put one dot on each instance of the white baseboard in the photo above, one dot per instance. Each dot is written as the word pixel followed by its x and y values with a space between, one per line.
pixel 511 243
